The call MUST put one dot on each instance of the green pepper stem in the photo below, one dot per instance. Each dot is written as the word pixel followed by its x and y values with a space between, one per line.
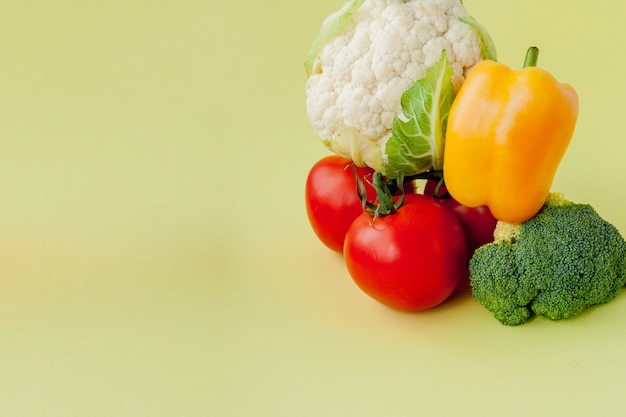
pixel 532 55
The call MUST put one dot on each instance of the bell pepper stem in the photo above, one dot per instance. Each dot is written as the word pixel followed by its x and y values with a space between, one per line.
pixel 532 55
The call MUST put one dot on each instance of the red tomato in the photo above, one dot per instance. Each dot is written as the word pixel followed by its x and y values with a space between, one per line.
pixel 332 202
pixel 478 222
pixel 411 260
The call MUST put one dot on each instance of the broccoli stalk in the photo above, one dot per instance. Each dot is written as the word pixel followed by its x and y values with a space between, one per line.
pixel 558 263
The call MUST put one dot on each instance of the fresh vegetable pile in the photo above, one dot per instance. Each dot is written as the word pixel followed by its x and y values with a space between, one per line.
pixel 443 165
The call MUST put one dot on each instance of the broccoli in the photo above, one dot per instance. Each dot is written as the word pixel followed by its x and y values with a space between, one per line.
pixel 563 260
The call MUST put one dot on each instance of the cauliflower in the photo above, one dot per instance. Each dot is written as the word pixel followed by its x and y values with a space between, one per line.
pixel 368 54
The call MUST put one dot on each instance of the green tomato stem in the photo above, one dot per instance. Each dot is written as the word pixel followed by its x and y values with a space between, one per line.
pixel 532 55
pixel 428 175
pixel 385 204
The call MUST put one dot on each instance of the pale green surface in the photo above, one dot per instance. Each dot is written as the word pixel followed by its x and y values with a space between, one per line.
pixel 155 258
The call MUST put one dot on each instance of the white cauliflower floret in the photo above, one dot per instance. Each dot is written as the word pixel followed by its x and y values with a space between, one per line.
pixel 359 75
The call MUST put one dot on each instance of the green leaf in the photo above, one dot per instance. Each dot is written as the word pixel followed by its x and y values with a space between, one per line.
pixel 487 45
pixel 331 26
pixel 417 140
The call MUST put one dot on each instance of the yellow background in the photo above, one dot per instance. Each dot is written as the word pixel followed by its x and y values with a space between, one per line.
pixel 155 257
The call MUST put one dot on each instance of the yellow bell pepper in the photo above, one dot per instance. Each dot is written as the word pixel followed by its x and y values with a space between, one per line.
pixel 507 133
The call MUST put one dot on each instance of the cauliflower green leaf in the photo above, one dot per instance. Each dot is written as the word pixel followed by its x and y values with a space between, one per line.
pixel 417 140
pixel 331 26
pixel 487 45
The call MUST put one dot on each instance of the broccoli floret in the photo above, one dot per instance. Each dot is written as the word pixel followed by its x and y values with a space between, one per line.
pixel 557 264
pixel 499 286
